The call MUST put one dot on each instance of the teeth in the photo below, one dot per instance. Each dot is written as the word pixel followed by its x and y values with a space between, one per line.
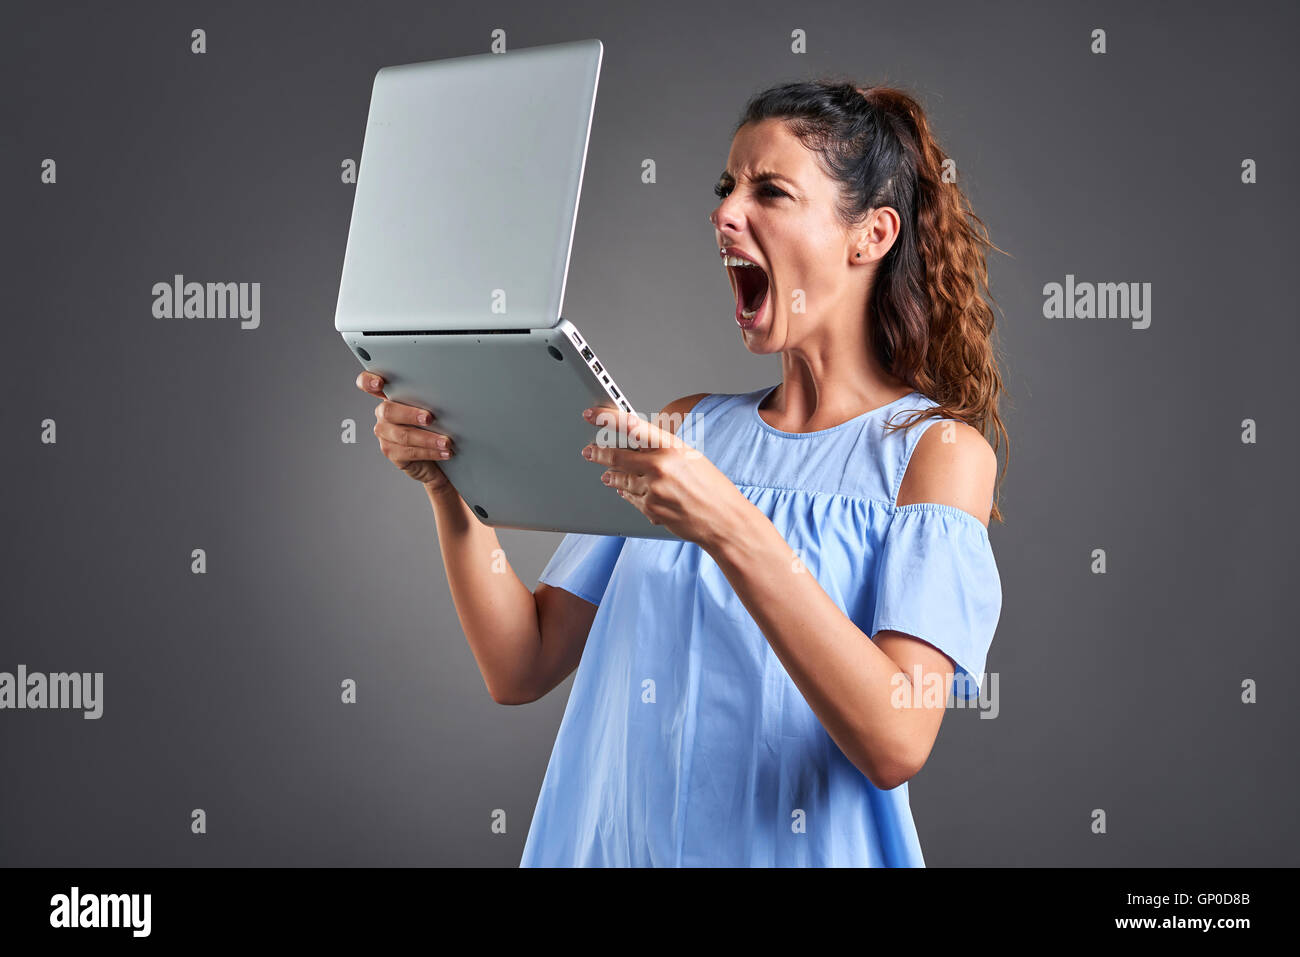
pixel 748 314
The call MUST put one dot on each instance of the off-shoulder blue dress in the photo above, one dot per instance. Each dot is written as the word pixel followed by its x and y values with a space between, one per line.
pixel 684 741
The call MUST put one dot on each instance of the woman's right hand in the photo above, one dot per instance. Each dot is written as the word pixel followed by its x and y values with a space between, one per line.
pixel 414 450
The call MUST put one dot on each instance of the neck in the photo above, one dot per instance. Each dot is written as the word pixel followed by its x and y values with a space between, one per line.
pixel 826 382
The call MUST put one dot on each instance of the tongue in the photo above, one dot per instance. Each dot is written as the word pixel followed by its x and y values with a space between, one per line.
pixel 752 284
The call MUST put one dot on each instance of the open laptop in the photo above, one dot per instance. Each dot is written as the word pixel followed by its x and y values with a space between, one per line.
pixel 453 280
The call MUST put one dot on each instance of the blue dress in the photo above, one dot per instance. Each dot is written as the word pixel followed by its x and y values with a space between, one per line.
pixel 684 741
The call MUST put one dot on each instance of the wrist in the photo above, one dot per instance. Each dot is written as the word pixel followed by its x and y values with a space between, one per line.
pixel 441 493
pixel 733 530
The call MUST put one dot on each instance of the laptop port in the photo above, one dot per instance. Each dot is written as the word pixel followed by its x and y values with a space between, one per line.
pixel 588 354
pixel 597 368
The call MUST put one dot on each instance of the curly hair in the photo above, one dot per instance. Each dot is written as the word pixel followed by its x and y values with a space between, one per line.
pixel 929 324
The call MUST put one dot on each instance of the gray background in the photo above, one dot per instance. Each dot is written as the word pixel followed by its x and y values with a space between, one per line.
pixel 221 691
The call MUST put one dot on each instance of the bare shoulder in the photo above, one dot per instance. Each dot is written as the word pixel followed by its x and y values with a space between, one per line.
pixel 952 464
pixel 671 416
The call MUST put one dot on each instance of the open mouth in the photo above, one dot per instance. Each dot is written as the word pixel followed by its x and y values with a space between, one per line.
pixel 750 284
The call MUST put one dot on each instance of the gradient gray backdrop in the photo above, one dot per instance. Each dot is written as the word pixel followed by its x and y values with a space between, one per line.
pixel 221 691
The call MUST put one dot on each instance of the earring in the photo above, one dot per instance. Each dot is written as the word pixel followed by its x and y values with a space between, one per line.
pixel 859 255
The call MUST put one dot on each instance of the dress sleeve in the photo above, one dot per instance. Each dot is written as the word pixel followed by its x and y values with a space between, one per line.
pixel 582 565
pixel 937 581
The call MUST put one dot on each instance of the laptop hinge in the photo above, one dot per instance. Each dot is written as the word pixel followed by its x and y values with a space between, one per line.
pixel 447 332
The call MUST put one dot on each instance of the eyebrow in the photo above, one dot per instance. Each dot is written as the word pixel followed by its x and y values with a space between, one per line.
pixel 764 176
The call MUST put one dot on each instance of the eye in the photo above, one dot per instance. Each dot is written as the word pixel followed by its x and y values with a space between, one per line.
pixel 768 189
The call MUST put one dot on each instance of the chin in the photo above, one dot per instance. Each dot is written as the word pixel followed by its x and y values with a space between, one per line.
pixel 766 337
pixel 760 342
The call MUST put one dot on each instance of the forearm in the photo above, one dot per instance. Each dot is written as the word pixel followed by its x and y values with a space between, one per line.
pixel 848 682
pixel 497 611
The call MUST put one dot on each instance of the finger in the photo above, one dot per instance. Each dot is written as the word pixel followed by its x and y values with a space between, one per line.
pixel 599 410
pixel 621 480
pixel 402 455
pixel 637 501
pixel 406 435
pixel 627 428
pixel 372 383
pixel 631 461
pixel 401 414
pixel 629 485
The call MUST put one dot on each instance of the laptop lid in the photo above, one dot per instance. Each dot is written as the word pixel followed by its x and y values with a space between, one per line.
pixel 467 191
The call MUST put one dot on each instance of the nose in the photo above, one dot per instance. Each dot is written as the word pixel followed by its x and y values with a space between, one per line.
pixel 723 218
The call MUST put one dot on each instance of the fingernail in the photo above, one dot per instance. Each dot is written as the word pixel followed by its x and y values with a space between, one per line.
pixel 442 443
pixel 424 418
pixel 605 477
pixel 588 414
pixel 586 451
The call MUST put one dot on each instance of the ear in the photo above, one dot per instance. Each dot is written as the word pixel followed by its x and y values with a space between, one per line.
pixel 877 237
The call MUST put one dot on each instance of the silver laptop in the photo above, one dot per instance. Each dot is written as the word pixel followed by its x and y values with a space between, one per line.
pixel 453 280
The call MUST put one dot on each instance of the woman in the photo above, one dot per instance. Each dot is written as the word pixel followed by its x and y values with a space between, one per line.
pixel 761 692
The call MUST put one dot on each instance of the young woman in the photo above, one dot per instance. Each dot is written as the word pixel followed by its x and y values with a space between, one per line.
pixel 761 692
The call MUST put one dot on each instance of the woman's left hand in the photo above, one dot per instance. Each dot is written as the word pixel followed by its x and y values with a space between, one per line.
pixel 669 482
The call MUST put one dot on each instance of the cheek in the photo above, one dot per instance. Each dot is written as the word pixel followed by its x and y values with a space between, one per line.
pixel 806 278
pixel 805 258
